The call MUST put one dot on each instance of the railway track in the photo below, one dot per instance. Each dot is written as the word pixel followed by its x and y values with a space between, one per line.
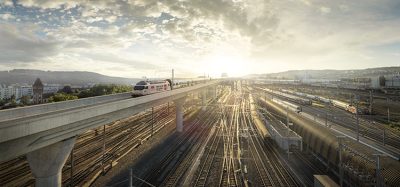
pixel 371 130
pixel 237 151
pixel 89 156
pixel 275 172
pixel 209 159
pixel 170 169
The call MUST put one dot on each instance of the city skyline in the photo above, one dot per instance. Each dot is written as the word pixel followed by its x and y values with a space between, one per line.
pixel 149 38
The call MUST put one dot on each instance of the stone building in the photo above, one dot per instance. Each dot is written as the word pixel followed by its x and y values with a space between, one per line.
pixel 37 92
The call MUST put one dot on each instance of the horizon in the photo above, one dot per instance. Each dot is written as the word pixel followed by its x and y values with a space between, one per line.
pixel 197 76
pixel 149 38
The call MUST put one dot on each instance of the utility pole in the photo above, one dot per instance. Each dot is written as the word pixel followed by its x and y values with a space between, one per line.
pixel 340 138
pixel 287 117
pixel 383 136
pixel 172 79
pixel 168 108
pixel 104 150
pixel 378 176
pixel 152 121
pixel 388 112
pixel 358 122
pixel 326 119
pixel 370 102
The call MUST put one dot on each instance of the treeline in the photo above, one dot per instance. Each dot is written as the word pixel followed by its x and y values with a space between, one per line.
pixel 104 89
pixel 101 89
pixel 12 102
pixel 67 93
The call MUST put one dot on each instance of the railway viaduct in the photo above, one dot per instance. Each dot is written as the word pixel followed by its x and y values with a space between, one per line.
pixel 46 133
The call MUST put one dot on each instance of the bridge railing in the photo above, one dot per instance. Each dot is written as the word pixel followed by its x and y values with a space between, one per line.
pixel 15 113
pixel 52 107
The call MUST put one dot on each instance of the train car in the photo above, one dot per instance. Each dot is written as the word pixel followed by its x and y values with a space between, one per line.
pixel 345 106
pixel 289 97
pixel 288 105
pixel 151 87
pixel 308 96
pixel 297 99
pixel 313 97
pixel 324 143
pixel 287 91
pixel 352 109
pixel 339 104
pixel 325 100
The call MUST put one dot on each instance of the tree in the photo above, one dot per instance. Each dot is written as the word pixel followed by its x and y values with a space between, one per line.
pixel 25 100
pixel 62 97
pixel 67 90
pixel 13 102
pixel 104 89
pixel 84 94
pixel 2 102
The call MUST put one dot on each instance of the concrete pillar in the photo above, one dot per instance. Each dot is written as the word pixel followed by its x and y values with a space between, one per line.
pixel 179 113
pixel 47 163
pixel 204 100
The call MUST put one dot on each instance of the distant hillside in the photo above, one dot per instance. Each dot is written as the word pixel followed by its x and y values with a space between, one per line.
pixel 60 77
pixel 331 74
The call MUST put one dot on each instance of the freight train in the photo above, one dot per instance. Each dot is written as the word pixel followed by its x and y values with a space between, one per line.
pixel 308 96
pixel 323 143
pixel 339 104
pixel 288 105
pixel 289 97
pixel 344 106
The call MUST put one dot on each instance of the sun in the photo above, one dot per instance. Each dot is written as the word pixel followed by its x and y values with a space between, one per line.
pixel 233 65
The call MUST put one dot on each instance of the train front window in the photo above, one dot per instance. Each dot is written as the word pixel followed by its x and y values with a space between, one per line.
pixel 141 83
pixel 138 87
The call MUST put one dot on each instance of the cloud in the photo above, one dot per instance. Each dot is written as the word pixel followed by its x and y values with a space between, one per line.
pixel 325 10
pixel 45 4
pixel 21 45
pixel 157 32
pixel 7 2
pixel 7 16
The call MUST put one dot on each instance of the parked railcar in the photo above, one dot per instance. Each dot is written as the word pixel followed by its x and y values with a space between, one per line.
pixel 288 105
pixel 345 106
pixel 339 104
pixel 289 97
pixel 325 100
pixel 324 143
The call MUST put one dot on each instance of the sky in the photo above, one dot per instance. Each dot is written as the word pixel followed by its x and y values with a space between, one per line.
pixel 136 38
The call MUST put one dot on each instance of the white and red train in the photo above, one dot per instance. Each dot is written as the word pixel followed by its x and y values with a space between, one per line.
pixel 150 87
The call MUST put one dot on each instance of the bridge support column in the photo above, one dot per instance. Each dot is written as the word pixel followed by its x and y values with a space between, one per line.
pixel 204 100
pixel 179 113
pixel 47 163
